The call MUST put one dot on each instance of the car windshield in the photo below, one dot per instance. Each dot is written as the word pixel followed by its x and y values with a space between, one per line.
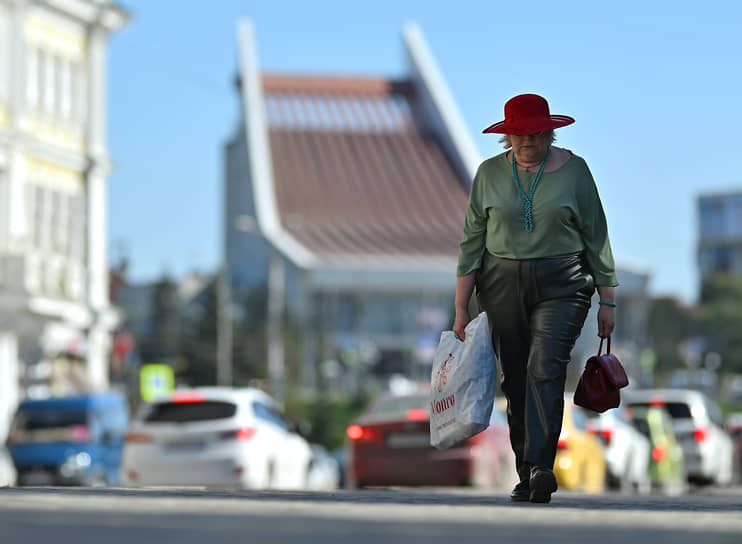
pixel 677 410
pixel 44 426
pixel 32 420
pixel 392 406
pixel 184 412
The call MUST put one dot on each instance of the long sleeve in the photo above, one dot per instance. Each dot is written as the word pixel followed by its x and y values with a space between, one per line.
pixel 594 231
pixel 471 248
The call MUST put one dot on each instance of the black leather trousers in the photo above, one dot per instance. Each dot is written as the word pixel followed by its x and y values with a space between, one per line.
pixel 536 309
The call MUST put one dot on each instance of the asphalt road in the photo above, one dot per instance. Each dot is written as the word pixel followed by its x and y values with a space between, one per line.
pixel 186 516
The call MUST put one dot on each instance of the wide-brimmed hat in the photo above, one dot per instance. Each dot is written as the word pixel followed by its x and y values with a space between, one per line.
pixel 528 114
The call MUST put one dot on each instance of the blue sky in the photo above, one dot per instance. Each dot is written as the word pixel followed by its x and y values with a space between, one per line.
pixel 654 87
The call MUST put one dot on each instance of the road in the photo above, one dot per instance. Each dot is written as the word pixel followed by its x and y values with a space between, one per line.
pixel 189 516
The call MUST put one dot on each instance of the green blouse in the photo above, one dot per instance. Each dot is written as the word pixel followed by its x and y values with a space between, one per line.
pixel 567 215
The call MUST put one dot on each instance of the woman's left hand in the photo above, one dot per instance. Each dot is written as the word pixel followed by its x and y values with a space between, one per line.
pixel 606 320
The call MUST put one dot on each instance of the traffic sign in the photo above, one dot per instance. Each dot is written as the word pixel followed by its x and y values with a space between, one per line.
pixel 155 380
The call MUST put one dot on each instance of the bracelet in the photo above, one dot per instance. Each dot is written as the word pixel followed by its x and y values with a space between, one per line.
pixel 606 303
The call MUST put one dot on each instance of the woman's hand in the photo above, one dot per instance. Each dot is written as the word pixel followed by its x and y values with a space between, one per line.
pixel 460 322
pixel 606 320
pixel 606 313
pixel 464 289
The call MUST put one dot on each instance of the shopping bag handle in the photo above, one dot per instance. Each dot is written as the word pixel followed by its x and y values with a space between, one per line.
pixel 601 346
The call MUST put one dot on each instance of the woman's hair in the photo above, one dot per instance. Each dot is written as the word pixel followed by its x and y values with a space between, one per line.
pixel 549 135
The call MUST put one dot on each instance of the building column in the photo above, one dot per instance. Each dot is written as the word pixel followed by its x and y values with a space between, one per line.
pixel 9 386
pixel 99 349
pixel 14 230
pixel 99 333
pixel 17 227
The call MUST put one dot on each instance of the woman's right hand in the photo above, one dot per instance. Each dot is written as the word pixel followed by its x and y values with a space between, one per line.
pixel 460 322
pixel 464 288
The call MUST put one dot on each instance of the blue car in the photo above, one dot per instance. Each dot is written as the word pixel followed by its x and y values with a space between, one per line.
pixel 74 440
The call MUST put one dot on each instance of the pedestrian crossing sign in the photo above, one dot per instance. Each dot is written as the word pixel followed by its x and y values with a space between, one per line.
pixel 155 381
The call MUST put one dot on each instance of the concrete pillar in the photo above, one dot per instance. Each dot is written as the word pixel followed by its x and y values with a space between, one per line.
pixel 15 227
pixel 99 334
pixel 99 349
pixel 97 173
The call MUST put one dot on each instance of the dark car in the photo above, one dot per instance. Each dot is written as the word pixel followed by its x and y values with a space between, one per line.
pixel 75 440
pixel 390 445
pixel 734 427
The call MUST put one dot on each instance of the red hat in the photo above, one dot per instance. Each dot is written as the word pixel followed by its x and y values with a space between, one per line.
pixel 528 114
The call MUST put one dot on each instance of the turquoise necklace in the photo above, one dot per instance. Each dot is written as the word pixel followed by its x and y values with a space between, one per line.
pixel 528 198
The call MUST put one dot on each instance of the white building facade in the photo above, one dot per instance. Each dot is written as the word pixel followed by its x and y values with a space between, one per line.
pixel 54 165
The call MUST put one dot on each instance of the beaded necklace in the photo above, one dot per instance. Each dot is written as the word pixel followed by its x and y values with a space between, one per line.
pixel 528 198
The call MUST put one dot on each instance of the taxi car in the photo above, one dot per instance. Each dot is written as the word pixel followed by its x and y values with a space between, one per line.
pixel 580 460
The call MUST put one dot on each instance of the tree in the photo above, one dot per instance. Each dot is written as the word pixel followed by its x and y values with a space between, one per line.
pixel 250 351
pixel 721 316
pixel 669 324
pixel 200 323
pixel 162 342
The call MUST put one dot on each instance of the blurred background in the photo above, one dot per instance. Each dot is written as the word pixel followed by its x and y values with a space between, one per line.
pixel 270 195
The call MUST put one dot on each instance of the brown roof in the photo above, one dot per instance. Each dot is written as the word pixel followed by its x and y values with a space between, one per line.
pixel 354 176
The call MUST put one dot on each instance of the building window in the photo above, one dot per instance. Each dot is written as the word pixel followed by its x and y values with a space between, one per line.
pixel 712 218
pixel 722 259
pixel 46 65
pixel 32 78
pixel 57 85
pixel 65 96
pixel 77 222
pixel 40 224
pixel 79 92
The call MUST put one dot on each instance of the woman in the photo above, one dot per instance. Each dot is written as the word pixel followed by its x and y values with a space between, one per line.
pixel 536 246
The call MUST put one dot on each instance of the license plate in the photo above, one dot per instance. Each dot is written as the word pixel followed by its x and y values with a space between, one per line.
pixel 408 440
pixel 185 446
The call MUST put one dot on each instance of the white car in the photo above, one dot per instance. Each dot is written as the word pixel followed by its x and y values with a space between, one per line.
pixel 325 472
pixel 215 436
pixel 627 451
pixel 697 421
pixel 8 474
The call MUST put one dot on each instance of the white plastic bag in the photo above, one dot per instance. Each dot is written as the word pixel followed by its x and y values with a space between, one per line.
pixel 462 385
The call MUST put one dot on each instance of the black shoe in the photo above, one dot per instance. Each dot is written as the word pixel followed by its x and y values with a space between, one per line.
pixel 521 492
pixel 542 484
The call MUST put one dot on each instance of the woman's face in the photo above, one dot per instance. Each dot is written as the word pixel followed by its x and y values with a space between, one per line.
pixel 529 148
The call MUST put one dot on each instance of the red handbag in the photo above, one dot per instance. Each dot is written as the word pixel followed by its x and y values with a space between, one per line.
pixel 598 388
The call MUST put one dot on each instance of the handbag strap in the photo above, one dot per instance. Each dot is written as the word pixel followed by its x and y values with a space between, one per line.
pixel 600 349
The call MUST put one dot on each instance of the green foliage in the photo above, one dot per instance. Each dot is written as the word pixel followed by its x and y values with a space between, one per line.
pixel 199 339
pixel 249 344
pixel 721 316
pixel 326 416
pixel 162 344
pixel 668 325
